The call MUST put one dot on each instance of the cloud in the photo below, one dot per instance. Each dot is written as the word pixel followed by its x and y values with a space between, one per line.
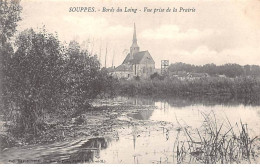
pixel 174 32
pixel 203 55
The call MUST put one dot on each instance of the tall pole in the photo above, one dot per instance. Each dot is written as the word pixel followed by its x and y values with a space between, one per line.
pixel 1 80
pixel 106 58
pixel 113 58
pixel 99 58
pixel 92 46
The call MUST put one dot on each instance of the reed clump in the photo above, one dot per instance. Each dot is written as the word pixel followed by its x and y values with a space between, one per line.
pixel 215 143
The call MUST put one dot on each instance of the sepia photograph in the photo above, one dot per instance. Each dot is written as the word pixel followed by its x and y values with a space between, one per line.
pixel 129 81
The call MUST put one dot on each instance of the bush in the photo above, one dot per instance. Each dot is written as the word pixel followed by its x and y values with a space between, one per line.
pixel 42 76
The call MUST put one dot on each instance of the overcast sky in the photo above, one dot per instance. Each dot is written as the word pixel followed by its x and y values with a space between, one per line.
pixel 218 32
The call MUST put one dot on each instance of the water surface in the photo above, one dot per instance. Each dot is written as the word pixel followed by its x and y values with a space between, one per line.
pixel 135 143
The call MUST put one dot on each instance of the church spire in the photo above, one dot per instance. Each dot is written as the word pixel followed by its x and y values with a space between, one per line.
pixel 134 36
pixel 134 48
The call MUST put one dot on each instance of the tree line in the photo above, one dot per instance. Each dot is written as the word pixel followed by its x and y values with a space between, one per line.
pixel 229 70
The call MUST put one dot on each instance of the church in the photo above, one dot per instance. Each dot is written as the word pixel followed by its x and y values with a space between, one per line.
pixel 137 63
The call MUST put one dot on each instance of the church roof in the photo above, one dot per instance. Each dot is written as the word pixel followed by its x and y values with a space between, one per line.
pixel 110 69
pixel 137 57
pixel 124 67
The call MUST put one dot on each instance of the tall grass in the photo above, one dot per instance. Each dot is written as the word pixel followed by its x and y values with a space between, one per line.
pixel 215 143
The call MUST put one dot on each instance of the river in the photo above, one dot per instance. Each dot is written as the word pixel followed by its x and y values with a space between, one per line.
pixel 148 137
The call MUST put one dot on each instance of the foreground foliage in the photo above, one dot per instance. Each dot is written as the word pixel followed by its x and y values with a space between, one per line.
pixel 214 143
pixel 43 76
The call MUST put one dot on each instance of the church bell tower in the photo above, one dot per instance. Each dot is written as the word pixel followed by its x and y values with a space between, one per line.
pixel 134 48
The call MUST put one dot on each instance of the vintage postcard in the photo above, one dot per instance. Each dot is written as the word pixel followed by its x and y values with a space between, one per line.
pixel 129 81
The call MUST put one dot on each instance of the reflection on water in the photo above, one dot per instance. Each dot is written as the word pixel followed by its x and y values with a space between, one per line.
pixel 142 115
pixel 135 101
pixel 62 152
pixel 139 144
pixel 157 146
pixel 89 150
pixel 190 114
pixel 191 100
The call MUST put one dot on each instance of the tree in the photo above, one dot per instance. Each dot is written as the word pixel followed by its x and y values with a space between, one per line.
pixel 9 16
pixel 35 79
pixel 84 76
pixel 181 67
pixel 231 70
pixel 43 76
pixel 211 69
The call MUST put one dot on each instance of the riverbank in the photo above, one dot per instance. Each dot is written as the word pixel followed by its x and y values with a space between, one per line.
pixel 99 120
pixel 103 122
pixel 245 88
pixel 150 130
